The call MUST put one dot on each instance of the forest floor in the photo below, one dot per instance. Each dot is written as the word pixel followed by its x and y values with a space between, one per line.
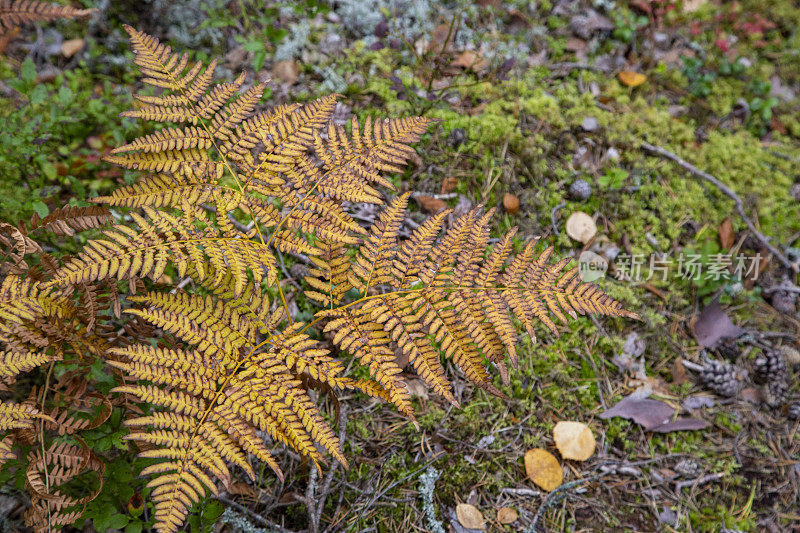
pixel 673 127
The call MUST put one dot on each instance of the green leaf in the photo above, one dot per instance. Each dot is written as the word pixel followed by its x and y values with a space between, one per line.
pixel 118 521
pixel 28 71
pixel 49 170
pixel 133 527
pixel 38 95
pixel 41 208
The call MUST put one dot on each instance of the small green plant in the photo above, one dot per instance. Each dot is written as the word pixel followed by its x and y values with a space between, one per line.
pixel 627 23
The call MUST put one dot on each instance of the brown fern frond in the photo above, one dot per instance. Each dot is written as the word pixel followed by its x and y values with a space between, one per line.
pixel 46 477
pixel 15 13
pixel 68 220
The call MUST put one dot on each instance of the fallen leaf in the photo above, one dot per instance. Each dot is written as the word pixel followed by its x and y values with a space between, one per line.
pixel 632 79
pixel 441 38
pixel 507 515
pixel 683 423
pixel 417 388
pixel 581 227
pixel 470 59
pixel 713 324
pixel 574 440
pixel 511 204
pixel 543 469
pixel 469 516
pixel 448 184
pixel 644 411
pixel 286 71
pixel 430 204
pixel 241 489
pixel 653 415
pixel 678 372
pixel 690 6
pixel 726 236
pixel 575 45
pixel 71 47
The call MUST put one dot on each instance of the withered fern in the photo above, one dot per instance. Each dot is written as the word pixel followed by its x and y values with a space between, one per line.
pixel 236 380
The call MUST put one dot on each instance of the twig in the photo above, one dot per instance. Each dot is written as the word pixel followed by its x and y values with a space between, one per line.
pixel 326 486
pixel 520 492
pixel 252 514
pixel 727 191
pixel 699 481
pixel 236 224
pixel 558 494
pixel 553 216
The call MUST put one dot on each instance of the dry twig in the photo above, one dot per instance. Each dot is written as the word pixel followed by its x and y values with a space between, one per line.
pixel 727 191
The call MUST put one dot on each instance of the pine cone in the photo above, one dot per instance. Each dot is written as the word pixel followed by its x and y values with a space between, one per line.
pixel 794 411
pixel 580 190
pixel 729 350
pixel 776 393
pixel 770 367
pixel 722 377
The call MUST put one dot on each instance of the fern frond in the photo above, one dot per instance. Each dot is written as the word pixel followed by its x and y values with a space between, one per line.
pixel 15 13
pixel 215 402
pixel 453 295
pixel 19 416
pixel 163 238
pixel 68 220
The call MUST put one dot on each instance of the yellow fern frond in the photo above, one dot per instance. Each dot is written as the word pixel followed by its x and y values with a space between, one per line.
pixel 163 238
pixel 451 295
pixel 215 401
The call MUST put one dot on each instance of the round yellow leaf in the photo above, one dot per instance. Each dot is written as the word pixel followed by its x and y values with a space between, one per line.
pixel 507 515
pixel 469 516
pixel 581 227
pixel 574 440
pixel 632 79
pixel 543 469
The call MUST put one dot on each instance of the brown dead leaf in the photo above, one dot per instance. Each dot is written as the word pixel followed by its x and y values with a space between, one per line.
pixel 478 109
pixel 575 45
pixel 543 469
pixel 71 47
pixel 574 440
pixel 470 517
pixel 653 415
pixel 286 71
pixel 678 372
pixel 726 235
pixel 241 489
pixel 439 39
pixel 430 204
pixel 449 184
pixel 507 515
pixel 632 79
pixel 472 60
pixel 712 325
pixel 511 204
pixel 417 388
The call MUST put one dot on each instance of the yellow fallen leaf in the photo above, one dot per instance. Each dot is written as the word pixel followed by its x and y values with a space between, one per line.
pixel 507 515
pixel 71 47
pixel 469 516
pixel 543 469
pixel 581 227
pixel 632 79
pixel 574 440
pixel 471 60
